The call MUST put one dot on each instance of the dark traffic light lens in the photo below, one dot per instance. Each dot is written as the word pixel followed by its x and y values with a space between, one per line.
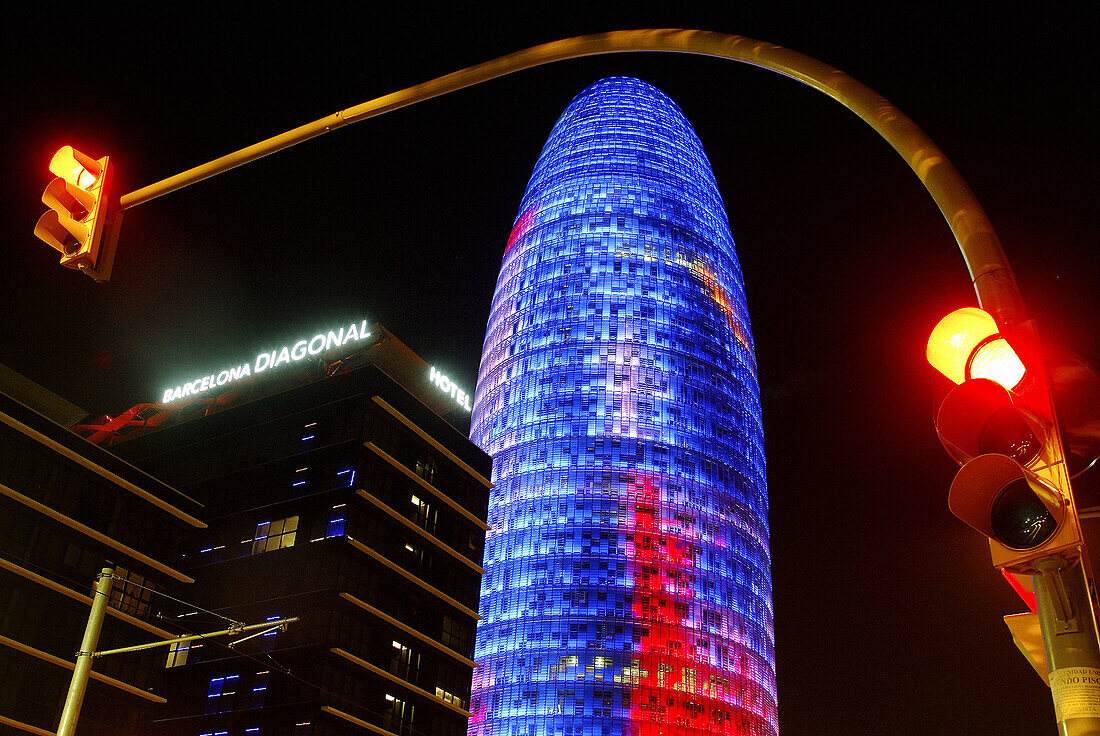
pixel 1019 519
pixel 1007 433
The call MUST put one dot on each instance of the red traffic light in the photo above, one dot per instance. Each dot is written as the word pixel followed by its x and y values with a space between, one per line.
pixel 979 417
pixel 83 220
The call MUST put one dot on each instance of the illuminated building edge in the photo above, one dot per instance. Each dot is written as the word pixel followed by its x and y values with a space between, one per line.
pixel 628 587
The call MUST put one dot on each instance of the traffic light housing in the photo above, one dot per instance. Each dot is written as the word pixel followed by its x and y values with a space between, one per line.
pixel 998 423
pixel 84 216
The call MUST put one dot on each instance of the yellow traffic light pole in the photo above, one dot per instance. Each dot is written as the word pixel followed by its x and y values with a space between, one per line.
pixel 992 276
pixel 1065 598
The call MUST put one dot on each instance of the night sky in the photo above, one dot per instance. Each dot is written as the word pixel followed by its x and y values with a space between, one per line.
pixel 887 613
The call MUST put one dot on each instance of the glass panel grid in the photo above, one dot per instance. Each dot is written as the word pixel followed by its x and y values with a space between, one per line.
pixel 628 589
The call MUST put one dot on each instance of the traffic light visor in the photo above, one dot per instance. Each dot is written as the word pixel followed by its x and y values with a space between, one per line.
pixel 1005 502
pixel 75 168
pixel 967 344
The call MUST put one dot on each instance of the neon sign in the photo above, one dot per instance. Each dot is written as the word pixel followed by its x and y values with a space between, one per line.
pixel 448 387
pixel 291 353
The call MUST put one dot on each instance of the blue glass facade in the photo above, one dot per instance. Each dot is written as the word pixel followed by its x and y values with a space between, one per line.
pixel 628 589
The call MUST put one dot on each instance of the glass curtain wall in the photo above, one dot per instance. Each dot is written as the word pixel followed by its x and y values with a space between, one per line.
pixel 628 588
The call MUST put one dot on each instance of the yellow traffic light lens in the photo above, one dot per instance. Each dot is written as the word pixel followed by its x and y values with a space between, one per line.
pixel 75 168
pixel 997 361
pixel 1019 519
pixel 967 344
pixel 954 338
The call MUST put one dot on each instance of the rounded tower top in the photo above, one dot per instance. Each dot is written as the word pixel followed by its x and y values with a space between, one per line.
pixel 623 133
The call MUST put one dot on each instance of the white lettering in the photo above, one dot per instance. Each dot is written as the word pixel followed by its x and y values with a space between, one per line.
pixel 316 345
pixel 448 386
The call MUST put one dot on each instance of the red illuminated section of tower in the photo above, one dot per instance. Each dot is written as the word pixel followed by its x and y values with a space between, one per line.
pixel 678 688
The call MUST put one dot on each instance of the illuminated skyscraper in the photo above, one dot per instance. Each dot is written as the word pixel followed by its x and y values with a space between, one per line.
pixel 628 588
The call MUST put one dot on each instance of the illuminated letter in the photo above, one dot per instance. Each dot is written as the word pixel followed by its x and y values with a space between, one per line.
pixel 263 360
pixel 223 378
pixel 353 334
pixel 434 375
pixel 245 371
pixel 205 384
pixel 299 350
pixel 335 339
pixel 320 347
pixel 466 404
pixel 284 357
pixel 167 396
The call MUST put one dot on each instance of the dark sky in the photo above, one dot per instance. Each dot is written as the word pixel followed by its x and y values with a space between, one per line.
pixel 887 612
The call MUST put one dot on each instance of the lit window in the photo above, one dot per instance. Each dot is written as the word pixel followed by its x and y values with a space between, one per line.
pixel 177 654
pixel 299 479
pixel 272 535
pixel 219 696
pixel 336 522
pixel 259 689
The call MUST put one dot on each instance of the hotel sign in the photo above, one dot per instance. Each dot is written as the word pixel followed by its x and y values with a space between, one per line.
pixel 291 353
pixel 447 386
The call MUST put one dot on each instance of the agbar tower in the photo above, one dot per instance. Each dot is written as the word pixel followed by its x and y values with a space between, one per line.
pixel 628 588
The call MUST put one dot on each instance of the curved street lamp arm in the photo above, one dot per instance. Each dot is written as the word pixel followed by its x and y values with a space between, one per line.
pixel 993 279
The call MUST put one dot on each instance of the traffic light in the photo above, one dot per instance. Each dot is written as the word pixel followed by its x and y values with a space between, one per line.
pixel 998 423
pixel 84 216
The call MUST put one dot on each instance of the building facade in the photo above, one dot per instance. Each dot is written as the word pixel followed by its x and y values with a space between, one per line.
pixel 628 589
pixel 67 510
pixel 335 493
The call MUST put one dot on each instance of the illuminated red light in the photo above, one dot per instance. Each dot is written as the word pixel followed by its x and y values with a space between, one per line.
pixel 997 361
